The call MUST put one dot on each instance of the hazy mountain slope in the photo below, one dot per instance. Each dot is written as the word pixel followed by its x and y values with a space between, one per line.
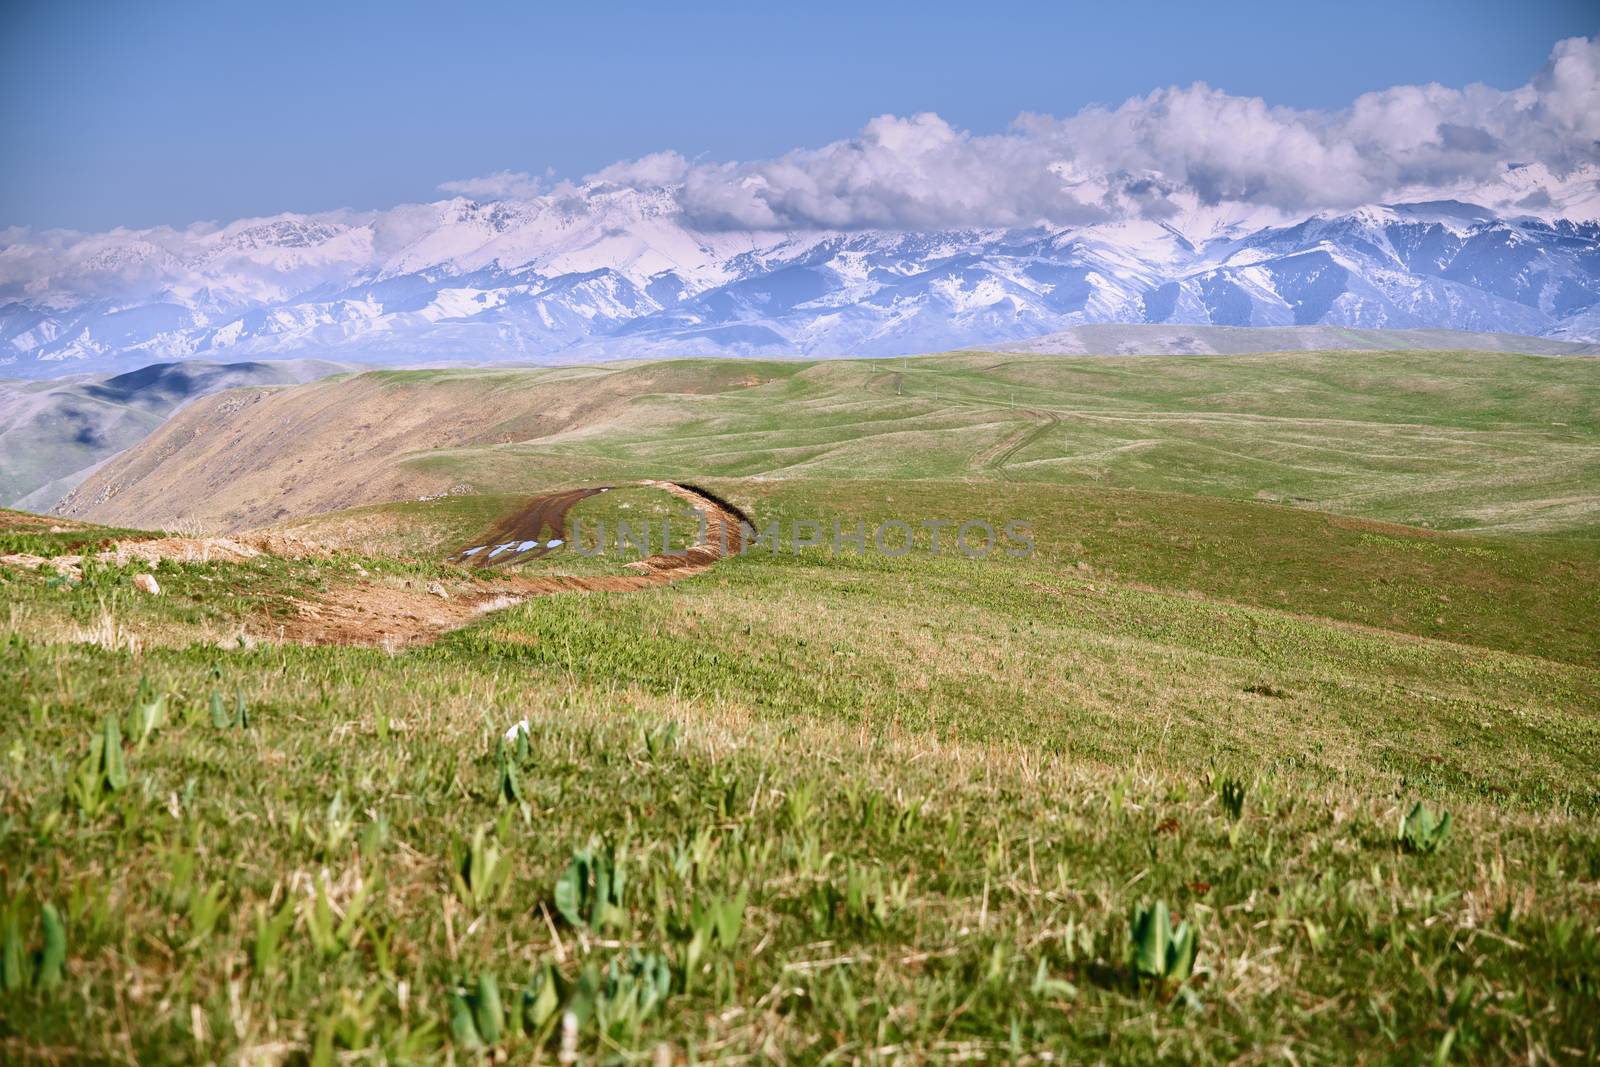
pixel 1239 340
pixel 53 434
pixel 1449 439
pixel 614 271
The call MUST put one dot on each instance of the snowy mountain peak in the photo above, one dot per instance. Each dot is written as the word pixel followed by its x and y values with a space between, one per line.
pixel 285 232
pixel 608 269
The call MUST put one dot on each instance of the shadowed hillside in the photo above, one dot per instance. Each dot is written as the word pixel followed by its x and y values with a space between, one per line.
pixel 53 434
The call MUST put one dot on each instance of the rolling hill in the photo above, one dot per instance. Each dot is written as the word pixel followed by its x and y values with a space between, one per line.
pixel 953 779
pixel 53 434
pixel 1189 452
pixel 1453 440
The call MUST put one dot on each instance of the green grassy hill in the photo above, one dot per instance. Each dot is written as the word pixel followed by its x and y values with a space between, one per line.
pixel 865 808
pixel 1450 440
pixel 1446 440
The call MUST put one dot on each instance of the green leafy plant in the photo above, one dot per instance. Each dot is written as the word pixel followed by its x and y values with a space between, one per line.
pixel 509 788
pixel 867 900
pixel 621 998
pixel 1421 831
pixel 204 911
pixel 351 1025
pixel 147 714
pixel 269 934
pixel 691 856
pixel 589 892
pixel 617 999
pixel 102 772
pixel 661 740
pixel 333 933
pixel 1157 950
pixel 541 1001
pixel 518 738
pixel 477 1018
pixel 224 719
pixel 53 953
pixel 482 871
pixel 1047 988
pixel 636 984
pixel 40 969
pixel 714 921
pixel 798 805
pixel 725 793
pixel 1230 792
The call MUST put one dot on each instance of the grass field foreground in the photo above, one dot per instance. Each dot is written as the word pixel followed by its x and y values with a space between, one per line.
pixel 1280 743
pixel 799 806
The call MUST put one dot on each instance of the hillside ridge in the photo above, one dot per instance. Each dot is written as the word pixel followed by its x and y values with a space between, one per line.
pixel 1178 340
pixel 53 434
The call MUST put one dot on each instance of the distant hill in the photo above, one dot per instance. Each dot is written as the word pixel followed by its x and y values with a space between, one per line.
pixel 53 434
pixel 1170 340
pixel 1454 440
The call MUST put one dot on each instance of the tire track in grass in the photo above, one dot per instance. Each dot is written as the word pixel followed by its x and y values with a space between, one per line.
pixel 997 456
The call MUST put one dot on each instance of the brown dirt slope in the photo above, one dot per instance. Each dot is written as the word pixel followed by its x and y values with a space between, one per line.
pixel 250 457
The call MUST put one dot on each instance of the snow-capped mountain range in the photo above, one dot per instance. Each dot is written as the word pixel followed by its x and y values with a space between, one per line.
pixel 607 270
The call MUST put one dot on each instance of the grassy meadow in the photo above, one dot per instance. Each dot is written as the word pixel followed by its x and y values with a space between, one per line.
pixel 1444 440
pixel 1140 796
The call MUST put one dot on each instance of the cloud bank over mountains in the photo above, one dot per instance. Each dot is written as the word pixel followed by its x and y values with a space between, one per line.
pixel 1414 207
pixel 1151 157
pixel 1144 158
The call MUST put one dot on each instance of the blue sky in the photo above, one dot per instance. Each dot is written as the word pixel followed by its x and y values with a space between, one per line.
pixel 140 114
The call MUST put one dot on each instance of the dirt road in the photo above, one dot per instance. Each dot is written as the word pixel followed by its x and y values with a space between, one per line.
pixel 534 530
pixel 408 612
pixel 998 455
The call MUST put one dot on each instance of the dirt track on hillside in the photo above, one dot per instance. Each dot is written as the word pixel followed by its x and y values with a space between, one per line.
pixel 400 612
pixel 996 456
pixel 532 531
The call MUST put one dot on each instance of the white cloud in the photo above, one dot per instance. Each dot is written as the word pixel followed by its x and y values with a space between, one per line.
pixel 1152 156
pixel 501 185
pixel 916 172
pixel 920 172
pixel 658 168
